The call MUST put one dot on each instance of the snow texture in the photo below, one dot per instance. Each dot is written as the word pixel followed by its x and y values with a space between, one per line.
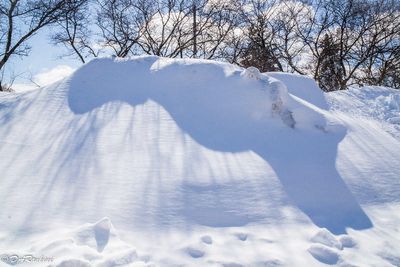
pixel 169 162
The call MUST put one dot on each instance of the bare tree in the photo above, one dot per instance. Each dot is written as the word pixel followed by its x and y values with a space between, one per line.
pixel 167 28
pixel 217 28
pixel 362 30
pixel 360 38
pixel 383 65
pixel 186 28
pixel 23 19
pixel 170 28
pixel 74 32
pixel 120 23
pixel 383 69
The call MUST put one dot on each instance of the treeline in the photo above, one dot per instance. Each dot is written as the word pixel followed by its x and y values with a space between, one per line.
pixel 337 42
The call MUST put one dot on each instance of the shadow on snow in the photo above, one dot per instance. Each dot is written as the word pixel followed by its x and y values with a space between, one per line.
pixel 304 161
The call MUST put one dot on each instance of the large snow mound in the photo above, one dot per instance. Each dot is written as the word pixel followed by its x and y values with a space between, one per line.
pixel 195 163
pixel 216 91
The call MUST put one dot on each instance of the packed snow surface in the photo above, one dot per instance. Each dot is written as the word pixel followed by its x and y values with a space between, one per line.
pixel 159 162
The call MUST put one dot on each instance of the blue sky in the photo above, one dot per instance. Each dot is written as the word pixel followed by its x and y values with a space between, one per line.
pixel 43 58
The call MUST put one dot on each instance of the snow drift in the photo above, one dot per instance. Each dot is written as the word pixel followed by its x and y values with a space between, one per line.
pixel 174 149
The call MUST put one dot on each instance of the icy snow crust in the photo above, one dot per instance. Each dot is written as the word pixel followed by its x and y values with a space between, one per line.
pixel 160 162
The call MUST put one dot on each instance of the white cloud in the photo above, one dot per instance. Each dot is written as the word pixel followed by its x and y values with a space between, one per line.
pixel 45 77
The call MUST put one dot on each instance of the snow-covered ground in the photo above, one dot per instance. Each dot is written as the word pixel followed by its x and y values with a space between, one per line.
pixel 378 103
pixel 160 162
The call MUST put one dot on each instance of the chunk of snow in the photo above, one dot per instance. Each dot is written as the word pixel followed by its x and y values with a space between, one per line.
pixel 251 73
pixel 325 237
pixel 347 241
pixel 324 254
pixel 102 233
pixel 302 87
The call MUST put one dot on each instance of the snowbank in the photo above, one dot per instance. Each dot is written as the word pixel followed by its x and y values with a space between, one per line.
pixel 195 163
pixel 379 103
pixel 235 93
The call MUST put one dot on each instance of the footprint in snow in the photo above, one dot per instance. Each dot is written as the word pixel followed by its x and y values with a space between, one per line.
pixel 266 240
pixel 347 241
pixel 326 238
pixel 207 239
pixel 324 254
pixel 241 236
pixel 326 246
pixel 194 252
